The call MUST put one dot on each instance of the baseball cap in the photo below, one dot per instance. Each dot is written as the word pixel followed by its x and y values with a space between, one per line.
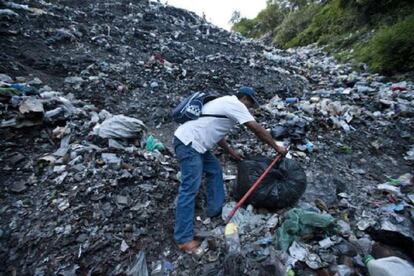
pixel 249 91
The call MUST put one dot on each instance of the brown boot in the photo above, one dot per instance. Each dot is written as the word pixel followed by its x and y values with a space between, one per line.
pixel 191 247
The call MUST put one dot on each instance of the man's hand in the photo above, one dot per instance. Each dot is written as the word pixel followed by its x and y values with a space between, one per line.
pixel 265 136
pixel 238 157
pixel 282 150
pixel 223 144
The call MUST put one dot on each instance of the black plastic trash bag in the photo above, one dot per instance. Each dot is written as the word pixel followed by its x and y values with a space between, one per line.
pixel 282 187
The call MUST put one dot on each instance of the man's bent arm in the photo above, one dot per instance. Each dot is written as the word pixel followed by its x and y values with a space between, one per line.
pixel 224 145
pixel 265 136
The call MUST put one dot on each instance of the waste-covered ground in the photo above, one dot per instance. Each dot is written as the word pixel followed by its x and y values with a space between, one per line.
pixel 80 197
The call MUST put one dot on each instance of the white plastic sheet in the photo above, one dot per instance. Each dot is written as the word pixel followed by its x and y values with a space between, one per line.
pixel 120 126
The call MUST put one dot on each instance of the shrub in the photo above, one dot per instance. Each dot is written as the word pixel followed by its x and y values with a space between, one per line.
pixel 330 20
pixel 293 24
pixel 344 26
pixel 245 26
pixel 391 49
pixel 270 17
pixel 265 21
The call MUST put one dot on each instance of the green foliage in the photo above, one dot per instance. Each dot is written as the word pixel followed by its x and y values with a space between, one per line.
pixel 330 21
pixel 270 18
pixel 377 12
pixel 391 49
pixel 246 27
pixel 344 26
pixel 298 3
pixel 265 21
pixel 372 6
pixel 293 24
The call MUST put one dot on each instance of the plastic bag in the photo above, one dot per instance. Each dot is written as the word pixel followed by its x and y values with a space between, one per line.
pixel 246 219
pixel 282 187
pixel 120 126
pixel 153 144
pixel 140 266
pixel 299 223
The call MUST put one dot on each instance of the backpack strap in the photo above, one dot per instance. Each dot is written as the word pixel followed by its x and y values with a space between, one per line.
pixel 214 115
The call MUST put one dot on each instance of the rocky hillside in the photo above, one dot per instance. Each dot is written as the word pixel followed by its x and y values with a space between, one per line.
pixel 79 198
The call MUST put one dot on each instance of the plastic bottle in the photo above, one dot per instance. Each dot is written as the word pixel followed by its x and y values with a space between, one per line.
pixel 390 266
pixel 162 268
pixel 290 272
pixel 231 235
pixel 291 100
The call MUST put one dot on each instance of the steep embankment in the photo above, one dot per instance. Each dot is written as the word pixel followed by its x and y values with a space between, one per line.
pixel 378 33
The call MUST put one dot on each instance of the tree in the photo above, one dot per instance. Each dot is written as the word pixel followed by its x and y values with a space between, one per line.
pixel 291 4
pixel 235 17
pixel 270 17
pixel 298 3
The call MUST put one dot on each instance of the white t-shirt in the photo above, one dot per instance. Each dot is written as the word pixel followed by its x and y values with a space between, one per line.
pixel 205 132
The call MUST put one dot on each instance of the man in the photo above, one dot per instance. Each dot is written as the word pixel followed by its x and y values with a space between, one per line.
pixel 193 141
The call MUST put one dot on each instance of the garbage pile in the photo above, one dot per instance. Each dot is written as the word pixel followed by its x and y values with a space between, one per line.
pixel 88 175
pixel 146 52
pixel 87 183
pixel 338 98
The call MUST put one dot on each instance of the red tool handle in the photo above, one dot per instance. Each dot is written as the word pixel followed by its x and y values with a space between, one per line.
pixel 252 189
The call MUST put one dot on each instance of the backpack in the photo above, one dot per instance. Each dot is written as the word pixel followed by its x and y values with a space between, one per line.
pixel 190 108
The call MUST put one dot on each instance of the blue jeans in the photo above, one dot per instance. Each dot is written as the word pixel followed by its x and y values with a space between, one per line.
pixel 193 164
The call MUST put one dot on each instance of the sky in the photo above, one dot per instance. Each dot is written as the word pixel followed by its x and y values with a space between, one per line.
pixel 219 12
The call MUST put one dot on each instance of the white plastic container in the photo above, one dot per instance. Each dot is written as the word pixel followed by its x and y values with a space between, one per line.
pixel 390 266
pixel 231 234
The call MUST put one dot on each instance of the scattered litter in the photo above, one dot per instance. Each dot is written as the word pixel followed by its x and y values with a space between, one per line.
pixel 299 222
pixel 112 160
pixel 120 126
pixel 389 188
pixel 124 246
pixel 140 266
pixel 153 144
pixel 85 189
